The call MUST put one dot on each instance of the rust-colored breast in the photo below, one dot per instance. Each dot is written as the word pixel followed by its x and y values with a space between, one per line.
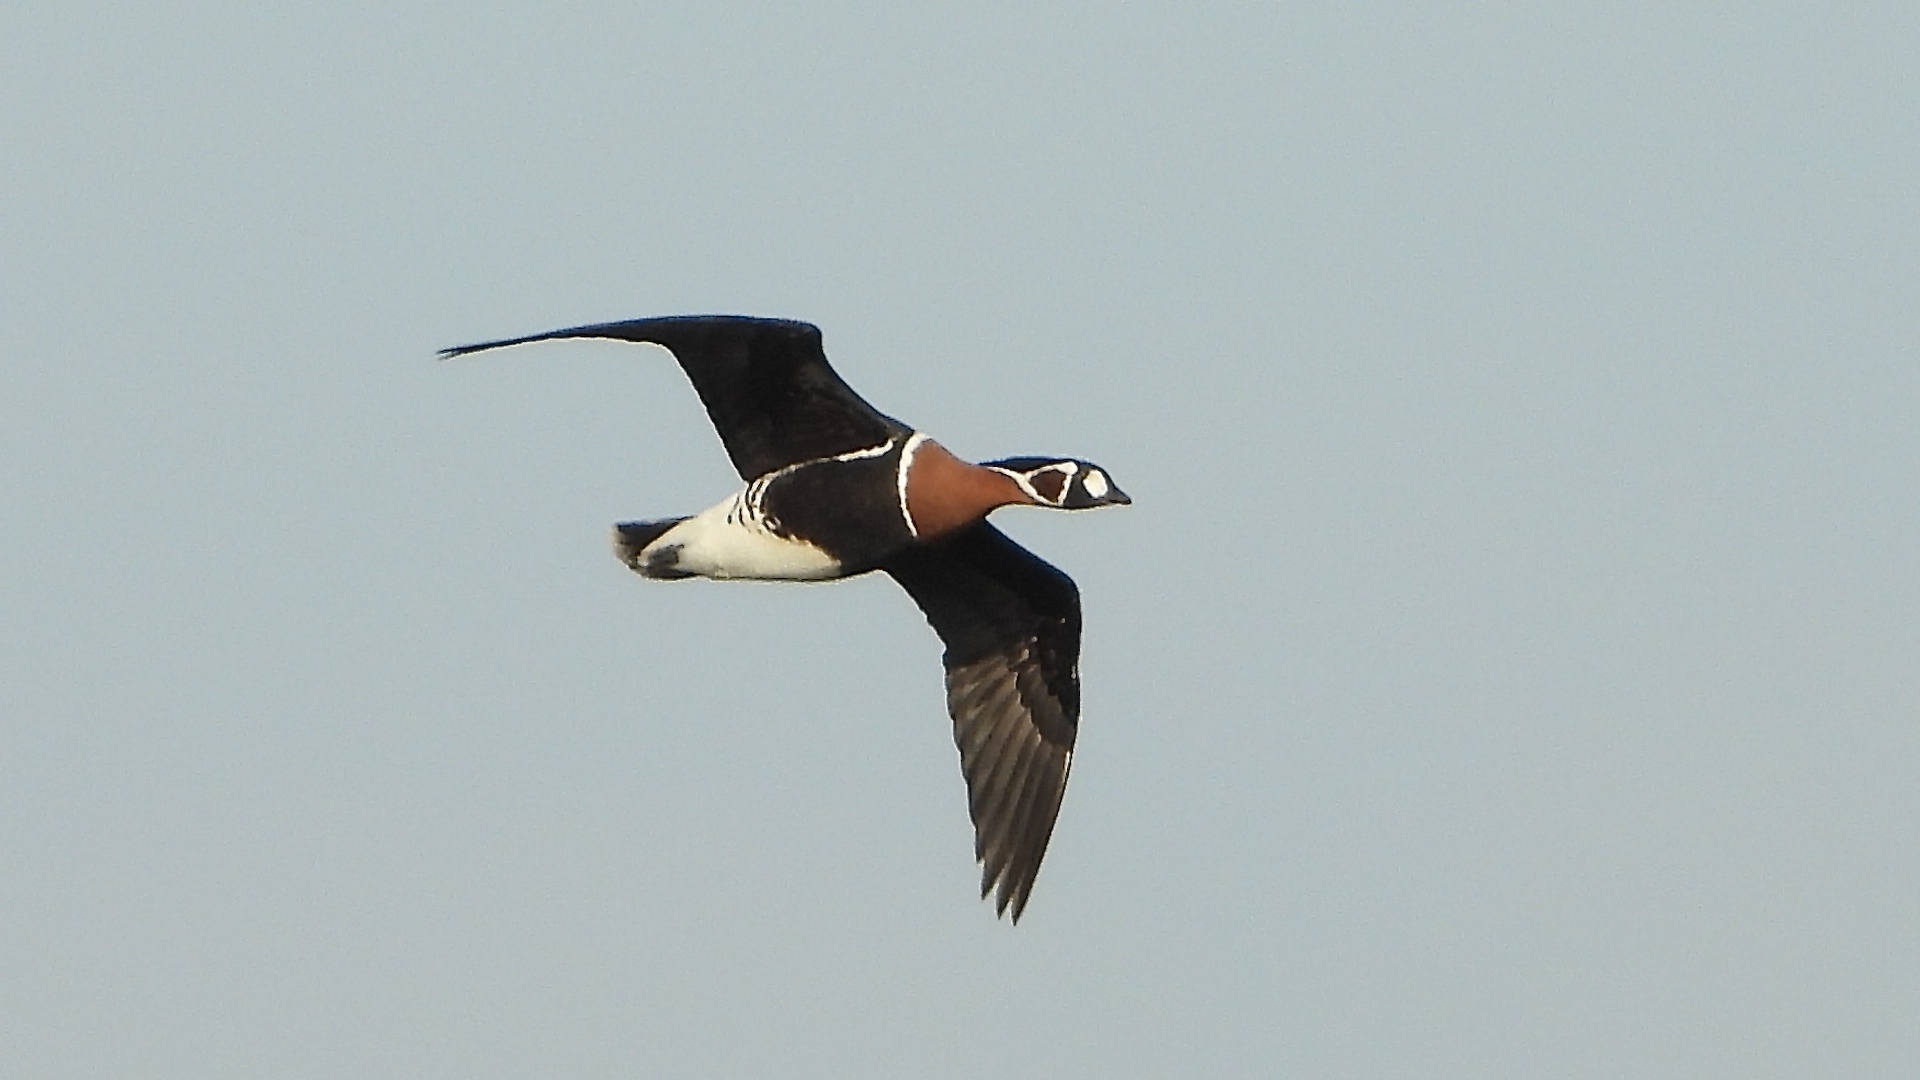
pixel 945 493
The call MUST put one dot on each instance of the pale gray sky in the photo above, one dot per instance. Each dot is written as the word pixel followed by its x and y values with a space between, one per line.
pixel 1507 668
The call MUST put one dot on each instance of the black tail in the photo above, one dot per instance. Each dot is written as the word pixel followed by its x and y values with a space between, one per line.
pixel 630 538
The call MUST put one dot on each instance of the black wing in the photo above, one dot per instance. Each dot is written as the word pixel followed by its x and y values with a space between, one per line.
pixel 1011 624
pixel 765 382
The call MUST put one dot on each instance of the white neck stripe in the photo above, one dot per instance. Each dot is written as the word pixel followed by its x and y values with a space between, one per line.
pixel 900 480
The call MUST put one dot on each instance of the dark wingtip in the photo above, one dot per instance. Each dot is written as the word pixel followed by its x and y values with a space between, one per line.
pixel 464 350
pixel 458 351
pixel 1011 899
pixel 649 331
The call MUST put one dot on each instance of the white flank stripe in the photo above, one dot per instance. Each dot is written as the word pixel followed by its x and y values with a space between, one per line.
pixel 856 455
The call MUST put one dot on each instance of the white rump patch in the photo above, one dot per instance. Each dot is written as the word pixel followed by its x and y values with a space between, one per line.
pixel 729 541
pixel 1095 483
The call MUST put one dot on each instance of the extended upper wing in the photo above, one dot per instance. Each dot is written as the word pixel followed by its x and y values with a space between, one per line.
pixel 765 382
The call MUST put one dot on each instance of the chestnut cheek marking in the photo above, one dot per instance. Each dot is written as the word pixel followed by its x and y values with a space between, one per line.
pixel 1049 484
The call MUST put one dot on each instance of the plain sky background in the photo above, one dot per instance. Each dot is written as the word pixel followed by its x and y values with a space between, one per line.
pixel 1507 669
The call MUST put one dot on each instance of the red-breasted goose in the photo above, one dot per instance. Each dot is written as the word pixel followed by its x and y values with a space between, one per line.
pixel 835 488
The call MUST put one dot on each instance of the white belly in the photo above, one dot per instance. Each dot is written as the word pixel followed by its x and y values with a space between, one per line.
pixel 725 541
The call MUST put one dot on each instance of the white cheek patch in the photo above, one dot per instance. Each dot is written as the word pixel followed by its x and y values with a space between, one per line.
pixel 1096 483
